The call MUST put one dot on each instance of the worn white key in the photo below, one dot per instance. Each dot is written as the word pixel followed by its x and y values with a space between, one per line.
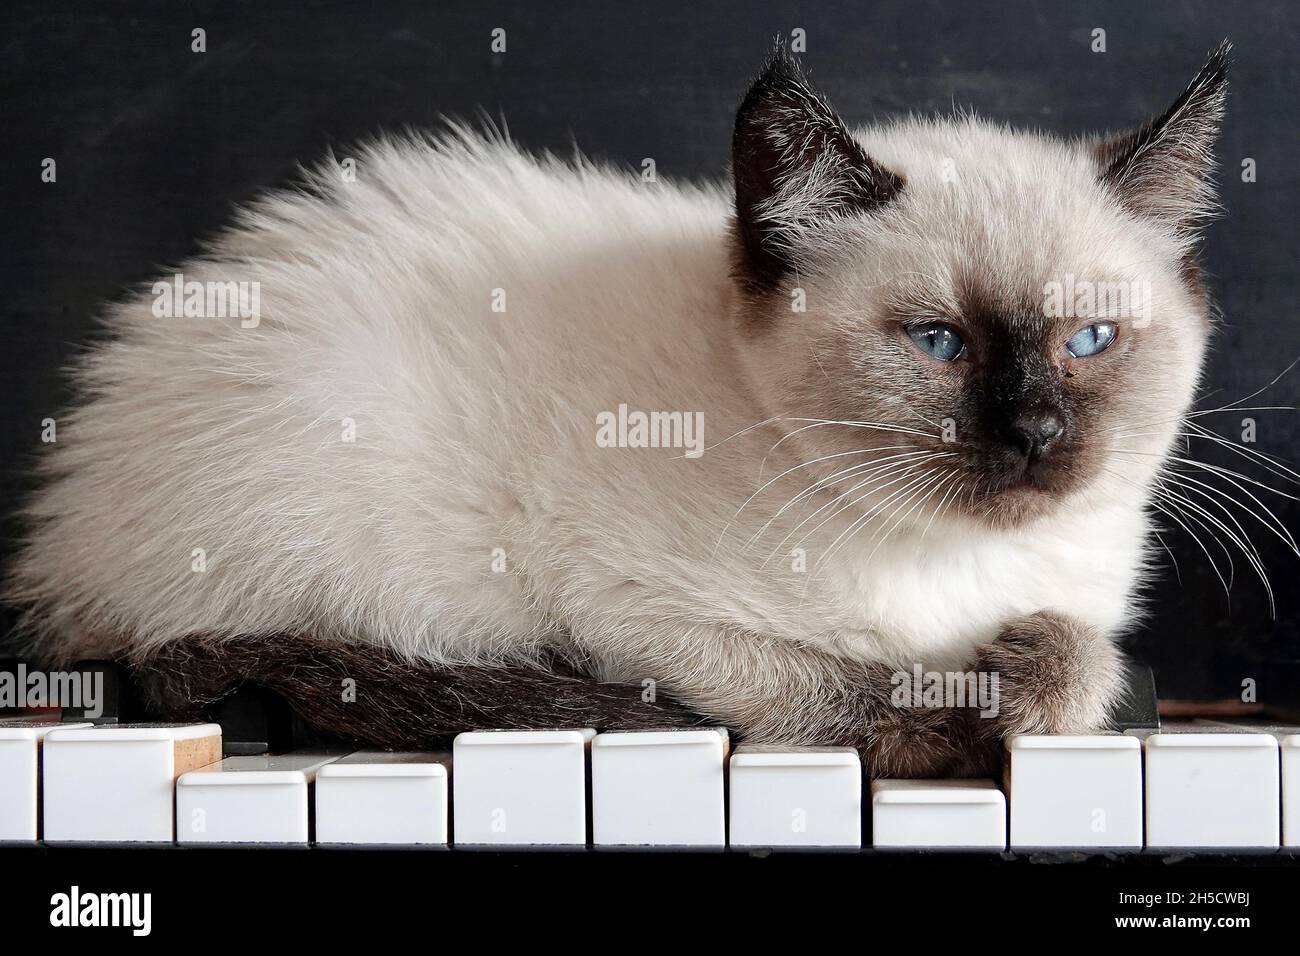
pixel 376 797
pixel 1075 791
pixel 262 799
pixel 938 813
pixel 115 782
pixel 520 787
pixel 659 788
pixel 1208 789
pixel 1291 790
pixel 20 776
pixel 796 796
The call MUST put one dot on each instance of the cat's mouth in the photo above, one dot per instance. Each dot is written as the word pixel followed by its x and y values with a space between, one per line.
pixel 1023 486
pixel 1024 494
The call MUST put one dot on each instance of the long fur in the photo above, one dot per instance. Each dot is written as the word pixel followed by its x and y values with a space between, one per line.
pixel 386 461
pixel 375 697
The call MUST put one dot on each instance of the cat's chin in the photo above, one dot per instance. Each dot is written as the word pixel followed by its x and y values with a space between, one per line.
pixel 1015 505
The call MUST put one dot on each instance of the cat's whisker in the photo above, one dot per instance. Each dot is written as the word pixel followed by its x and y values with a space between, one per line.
pixel 934 425
pixel 929 492
pixel 744 431
pixel 783 418
pixel 870 474
pixel 911 478
pixel 899 471
pixel 1270 463
pixel 1198 414
pixel 1228 474
pixel 1175 513
pixel 771 481
pixel 1275 525
pixel 1234 406
pixel 1241 540
pixel 1208 492
pixel 907 469
pixel 808 491
pixel 1242 543
pixel 924 493
pixel 910 492
pixel 1178 574
pixel 1263 388
pixel 822 422
pixel 870 467
pixel 831 479
pixel 1172 512
pixel 955 485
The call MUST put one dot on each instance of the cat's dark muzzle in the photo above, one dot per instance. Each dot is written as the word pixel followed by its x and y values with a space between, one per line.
pixel 1027 470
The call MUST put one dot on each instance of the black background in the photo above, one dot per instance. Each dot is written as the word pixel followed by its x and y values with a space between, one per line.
pixel 154 143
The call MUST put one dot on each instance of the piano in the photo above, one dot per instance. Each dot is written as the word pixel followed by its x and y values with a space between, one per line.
pixel 249 778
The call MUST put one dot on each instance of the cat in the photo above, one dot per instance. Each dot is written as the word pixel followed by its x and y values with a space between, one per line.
pixel 513 441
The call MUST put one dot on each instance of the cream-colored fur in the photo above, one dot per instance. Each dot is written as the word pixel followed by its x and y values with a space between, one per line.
pixel 474 515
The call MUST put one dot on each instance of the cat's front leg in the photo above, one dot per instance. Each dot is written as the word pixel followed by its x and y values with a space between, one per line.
pixel 779 692
pixel 1055 675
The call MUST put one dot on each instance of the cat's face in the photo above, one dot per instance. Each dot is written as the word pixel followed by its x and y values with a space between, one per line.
pixel 1010 324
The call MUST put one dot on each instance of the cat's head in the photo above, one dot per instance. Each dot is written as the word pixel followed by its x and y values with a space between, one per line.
pixel 1017 318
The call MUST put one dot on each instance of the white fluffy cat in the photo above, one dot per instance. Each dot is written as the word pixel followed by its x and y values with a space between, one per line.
pixel 905 457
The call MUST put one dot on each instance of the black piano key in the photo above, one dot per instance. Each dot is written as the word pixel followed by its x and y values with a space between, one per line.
pixel 1137 707
pixel 256 721
pixel 115 701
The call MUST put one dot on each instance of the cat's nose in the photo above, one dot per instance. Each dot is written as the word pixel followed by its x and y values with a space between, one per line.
pixel 1034 432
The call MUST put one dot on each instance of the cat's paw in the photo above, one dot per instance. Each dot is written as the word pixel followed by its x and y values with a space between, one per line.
pixel 1055 675
pixel 908 742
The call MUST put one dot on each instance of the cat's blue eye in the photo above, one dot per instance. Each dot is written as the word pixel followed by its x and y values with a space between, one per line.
pixel 938 340
pixel 1091 339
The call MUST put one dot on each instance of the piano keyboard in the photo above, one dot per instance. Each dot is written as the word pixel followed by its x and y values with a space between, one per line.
pixel 1199 785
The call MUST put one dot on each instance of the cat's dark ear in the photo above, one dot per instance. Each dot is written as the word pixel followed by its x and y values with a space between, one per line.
pixel 794 163
pixel 1164 169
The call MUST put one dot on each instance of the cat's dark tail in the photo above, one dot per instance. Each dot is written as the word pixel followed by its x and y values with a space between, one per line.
pixel 377 698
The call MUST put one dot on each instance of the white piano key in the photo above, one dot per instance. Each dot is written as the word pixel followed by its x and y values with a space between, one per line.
pixel 796 796
pixel 1075 791
pixel 1211 789
pixel 262 799
pixel 20 779
pixel 520 787
pixel 375 797
pixel 1288 739
pixel 1291 790
pixel 938 813
pixel 659 788
pixel 115 783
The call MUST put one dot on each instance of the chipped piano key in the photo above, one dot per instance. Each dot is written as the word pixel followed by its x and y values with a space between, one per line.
pixel 116 782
